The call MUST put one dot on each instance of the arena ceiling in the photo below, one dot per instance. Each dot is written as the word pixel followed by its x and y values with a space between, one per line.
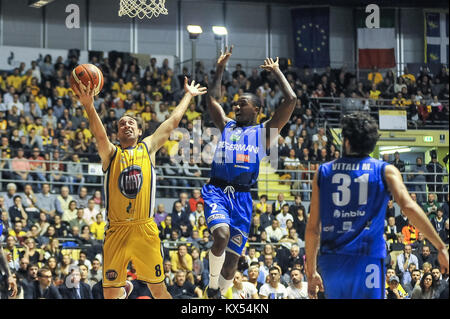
pixel 355 3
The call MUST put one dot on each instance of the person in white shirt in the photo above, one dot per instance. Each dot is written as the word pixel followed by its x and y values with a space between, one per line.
pixel 273 289
pixel 320 137
pixel 298 289
pixel 274 232
pixel 90 212
pixel 284 216
pixel 243 289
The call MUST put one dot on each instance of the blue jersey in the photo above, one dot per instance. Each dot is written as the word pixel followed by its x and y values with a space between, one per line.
pixel 353 199
pixel 238 154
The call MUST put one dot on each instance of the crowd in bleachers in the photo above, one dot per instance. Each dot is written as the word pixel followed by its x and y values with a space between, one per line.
pixel 52 221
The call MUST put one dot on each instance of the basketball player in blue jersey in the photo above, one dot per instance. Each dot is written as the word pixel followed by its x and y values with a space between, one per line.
pixel 4 268
pixel 235 167
pixel 347 214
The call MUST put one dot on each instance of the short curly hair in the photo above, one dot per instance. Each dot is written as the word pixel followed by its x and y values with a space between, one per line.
pixel 361 130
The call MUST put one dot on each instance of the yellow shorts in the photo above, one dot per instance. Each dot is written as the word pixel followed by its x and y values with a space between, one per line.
pixel 135 241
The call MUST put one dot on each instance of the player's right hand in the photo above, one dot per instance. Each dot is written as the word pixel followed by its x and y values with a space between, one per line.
pixel 314 282
pixel 443 260
pixel 224 57
pixel 85 94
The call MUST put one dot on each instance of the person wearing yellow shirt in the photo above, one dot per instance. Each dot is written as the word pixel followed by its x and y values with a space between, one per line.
pixel 147 114
pixel 122 87
pixel 262 205
pixel 86 132
pixel 181 260
pixel 98 228
pixel 374 93
pixel 260 117
pixel 400 101
pixel 408 77
pixel 41 100
pixel 15 80
pixel 192 114
pixel 172 147
pixel 61 89
pixel 375 76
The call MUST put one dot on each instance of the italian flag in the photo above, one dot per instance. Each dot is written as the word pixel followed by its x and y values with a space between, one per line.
pixel 376 45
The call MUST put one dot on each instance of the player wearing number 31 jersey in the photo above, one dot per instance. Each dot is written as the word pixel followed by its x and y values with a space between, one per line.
pixel 347 214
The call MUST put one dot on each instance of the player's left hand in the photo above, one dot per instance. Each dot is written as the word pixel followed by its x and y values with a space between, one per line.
pixel 314 282
pixel 270 65
pixel 12 287
pixel 193 89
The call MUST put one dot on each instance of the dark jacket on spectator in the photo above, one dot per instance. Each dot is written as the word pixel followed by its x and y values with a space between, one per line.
pixel 35 292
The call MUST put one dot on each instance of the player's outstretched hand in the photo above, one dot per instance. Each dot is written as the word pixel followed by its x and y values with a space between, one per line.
pixel 314 282
pixel 443 260
pixel 224 57
pixel 193 89
pixel 270 64
pixel 84 94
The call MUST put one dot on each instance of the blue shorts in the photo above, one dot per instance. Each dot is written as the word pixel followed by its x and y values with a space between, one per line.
pixel 233 209
pixel 352 277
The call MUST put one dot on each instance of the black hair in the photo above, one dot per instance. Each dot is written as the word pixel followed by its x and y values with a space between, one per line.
pixel 361 130
pixel 137 119
pixel 254 99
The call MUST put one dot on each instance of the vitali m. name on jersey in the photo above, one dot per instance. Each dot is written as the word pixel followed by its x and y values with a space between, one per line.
pixel 353 199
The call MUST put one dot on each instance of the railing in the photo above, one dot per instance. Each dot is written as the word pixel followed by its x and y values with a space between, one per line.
pixel 300 180
pixel 331 109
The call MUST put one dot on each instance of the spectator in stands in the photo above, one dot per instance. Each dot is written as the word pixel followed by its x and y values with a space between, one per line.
pixel 21 168
pixel 418 177
pixel 300 221
pixel 273 289
pixel 274 232
pixel 37 168
pixel 56 172
pixel 63 200
pixel 430 207
pixel 70 213
pixel 17 211
pixel 426 256
pixel 434 180
pixel 298 288
pixel 427 288
pixel 444 232
pixel 98 228
pixel 183 289
pixel 195 199
pixel 278 204
pixel 75 171
pixel 43 288
pixel 393 291
pixel 82 197
pixel 397 162
pixel 438 221
pixel 160 214
pixel 403 260
pixel 284 216
pixel 401 221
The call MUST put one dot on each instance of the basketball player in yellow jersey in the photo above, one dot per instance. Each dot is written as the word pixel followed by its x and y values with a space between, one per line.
pixel 130 182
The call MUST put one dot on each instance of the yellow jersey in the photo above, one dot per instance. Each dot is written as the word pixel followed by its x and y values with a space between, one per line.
pixel 130 185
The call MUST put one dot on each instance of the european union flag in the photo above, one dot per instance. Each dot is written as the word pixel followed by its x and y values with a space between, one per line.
pixel 311 37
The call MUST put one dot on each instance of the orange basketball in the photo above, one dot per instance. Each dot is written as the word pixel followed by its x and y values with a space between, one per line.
pixel 84 73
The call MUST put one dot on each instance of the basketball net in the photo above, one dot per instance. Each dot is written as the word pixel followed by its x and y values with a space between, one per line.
pixel 142 8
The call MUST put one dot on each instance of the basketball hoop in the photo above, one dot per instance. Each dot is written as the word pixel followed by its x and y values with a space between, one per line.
pixel 142 8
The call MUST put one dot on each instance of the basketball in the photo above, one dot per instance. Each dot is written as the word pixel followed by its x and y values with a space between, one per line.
pixel 85 73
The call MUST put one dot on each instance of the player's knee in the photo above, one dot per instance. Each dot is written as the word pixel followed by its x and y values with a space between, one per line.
pixel 112 293
pixel 221 236
pixel 159 291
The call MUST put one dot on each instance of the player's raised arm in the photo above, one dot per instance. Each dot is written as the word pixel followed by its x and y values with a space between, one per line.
pixel 162 134
pixel 312 242
pixel 415 214
pixel 284 111
pixel 214 108
pixel 105 148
